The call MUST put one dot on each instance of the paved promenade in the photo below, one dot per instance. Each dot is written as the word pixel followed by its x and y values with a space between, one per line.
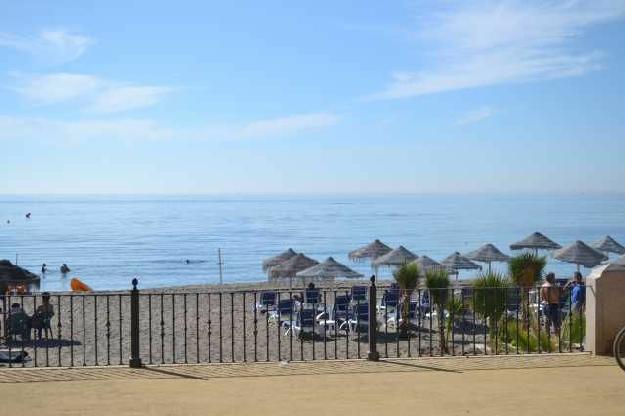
pixel 576 384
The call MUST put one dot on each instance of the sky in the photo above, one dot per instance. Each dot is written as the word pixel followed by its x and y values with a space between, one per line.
pixel 312 97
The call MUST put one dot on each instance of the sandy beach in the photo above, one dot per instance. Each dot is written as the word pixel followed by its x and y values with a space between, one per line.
pixel 210 323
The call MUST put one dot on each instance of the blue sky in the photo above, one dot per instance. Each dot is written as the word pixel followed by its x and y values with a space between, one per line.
pixel 312 97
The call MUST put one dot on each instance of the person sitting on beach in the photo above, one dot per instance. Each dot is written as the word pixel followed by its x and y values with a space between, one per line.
pixel 19 322
pixel 550 296
pixel 578 292
pixel 65 268
pixel 43 315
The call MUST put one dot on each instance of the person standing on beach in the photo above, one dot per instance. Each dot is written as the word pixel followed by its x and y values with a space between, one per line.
pixel 578 292
pixel 43 315
pixel 550 296
pixel 44 268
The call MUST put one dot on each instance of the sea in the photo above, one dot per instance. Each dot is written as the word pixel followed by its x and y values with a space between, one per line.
pixel 171 240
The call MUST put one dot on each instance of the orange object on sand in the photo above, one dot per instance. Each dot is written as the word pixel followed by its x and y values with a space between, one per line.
pixel 78 286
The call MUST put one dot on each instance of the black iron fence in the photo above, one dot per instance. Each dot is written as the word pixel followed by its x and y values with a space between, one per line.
pixel 139 328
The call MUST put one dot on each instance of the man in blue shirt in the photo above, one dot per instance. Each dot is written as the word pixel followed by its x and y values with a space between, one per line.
pixel 578 293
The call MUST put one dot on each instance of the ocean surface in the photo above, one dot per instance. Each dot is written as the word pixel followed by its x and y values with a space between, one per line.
pixel 108 240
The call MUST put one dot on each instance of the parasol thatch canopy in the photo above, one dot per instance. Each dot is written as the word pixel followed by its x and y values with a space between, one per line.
pixel 609 245
pixel 488 253
pixel 581 254
pixel 10 273
pixel 457 261
pixel 280 258
pixel 535 241
pixel 370 251
pixel 290 267
pixel 329 269
pixel 426 263
pixel 396 257
pixel 617 265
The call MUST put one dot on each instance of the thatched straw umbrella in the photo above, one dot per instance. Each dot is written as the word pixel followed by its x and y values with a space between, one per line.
pixel 456 262
pixel 290 267
pixel 426 263
pixel 329 269
pixel 608 245
pixel 280 258
pixel 488 253
pixel 581 254
pixel 370 252
pixel 397 257
pixel 11 274
pixel 535 241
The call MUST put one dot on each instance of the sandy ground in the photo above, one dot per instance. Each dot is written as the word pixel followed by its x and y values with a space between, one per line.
pixel 588 390
pixel 209 324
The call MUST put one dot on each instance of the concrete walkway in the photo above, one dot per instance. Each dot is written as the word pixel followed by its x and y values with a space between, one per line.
pixel 526 385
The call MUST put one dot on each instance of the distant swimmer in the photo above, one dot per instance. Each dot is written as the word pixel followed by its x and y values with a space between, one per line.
pixel 65 268
pixel 8 221
pixel 187 261
pixel 28 215
pixel 44 268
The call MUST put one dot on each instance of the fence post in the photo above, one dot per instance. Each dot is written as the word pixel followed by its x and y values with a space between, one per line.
pixel 135 359
pixel 373 355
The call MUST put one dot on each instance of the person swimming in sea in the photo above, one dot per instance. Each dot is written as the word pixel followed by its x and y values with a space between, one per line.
pixel 28 216
pixel 65 268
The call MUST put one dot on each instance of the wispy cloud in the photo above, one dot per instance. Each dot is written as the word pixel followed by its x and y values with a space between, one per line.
pixel 475 116
pixel 55 88
pixel 490 43
pixel 95 94
pixel 284 125
pixel 20 128
pixel 56 46
pixel 114 100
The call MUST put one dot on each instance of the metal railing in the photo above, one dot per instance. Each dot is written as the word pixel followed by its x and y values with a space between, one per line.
pixel 139 328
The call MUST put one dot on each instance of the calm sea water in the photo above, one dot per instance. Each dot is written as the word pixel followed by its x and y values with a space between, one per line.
pixel 109 240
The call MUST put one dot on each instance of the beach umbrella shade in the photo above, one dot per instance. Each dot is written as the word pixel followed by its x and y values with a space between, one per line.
pixel 370 251
pixel 535 241
pixel 329 269
pixel 581 254
pixel 396 257
pixel 457 262
pixel 280 258
pixel 608 245
pixel 617 265
pixel 290 267
pixel 425 263
pixel 488 253
pixel 11 273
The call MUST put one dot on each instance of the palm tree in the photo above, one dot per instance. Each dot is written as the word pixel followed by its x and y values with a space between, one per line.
pixel 526 271
pixel 490 298
pixel 407 277
pixel 437 282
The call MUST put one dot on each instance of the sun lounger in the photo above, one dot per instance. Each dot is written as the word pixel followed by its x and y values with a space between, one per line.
pixel 304 324
pixel 312 296
pixel 358 320
pixel 359 293
pixel 266 302
pixel 284 311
